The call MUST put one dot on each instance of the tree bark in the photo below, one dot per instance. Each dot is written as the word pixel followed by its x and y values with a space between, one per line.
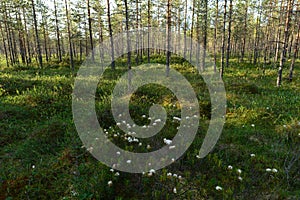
pixel 4 45
pixel 192 29
pixel 90 29
pixel 184 30
pixel 38 43
pixel 229 34
pixel 137 32
pixel 27 46
pixel 45 40
pixel 148 34
pixel 204 35
pixel 216 35
pixel 282 10
pixel 59 55
pixel 223 40
pixel 111 36
pixel 245 32
pixel 168 28
pixel 296 50
pixel 69 36
pixel 286 39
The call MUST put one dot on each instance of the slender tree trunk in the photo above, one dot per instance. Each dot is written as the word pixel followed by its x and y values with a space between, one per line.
pixel 148 34
pixel 38 43
pixel 158 25
pixel 86 35
pixel 28 61
pixel 168 37
pixel 111 36
pixel 204 34
pixel 45 41
pixel 198 37
pixel 137 34
pixel 80 50
pixel 90 29
pixel 257 38
pixel 127 36
pixel 282 10
pixel 141 36
pixel 266 48
pixel 59 55
pixel 291 42
pixel 229 34
pixel 16 55
pixel 21 38
pixel 223 40
pixel 286 39
pixel 296 50
pixel 101 40
pixel 128 45
pixel 178 40
pixel 184 30
pixel 69 36
pixel 192 29
pixel 245 32
pixel 216 35
pixel 4 45
pixel 8 36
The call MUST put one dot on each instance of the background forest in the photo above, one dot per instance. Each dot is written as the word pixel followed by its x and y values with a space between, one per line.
pixel 253 45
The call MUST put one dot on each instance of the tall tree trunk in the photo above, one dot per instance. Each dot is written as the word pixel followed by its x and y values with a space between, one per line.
pixel 8 36
pixel 229 34
pixel 16 56
pixel 28 61
pixel 21 38
pixel 69 36
pixel 216 35
pixel 291 42
pixel 178 39
pixel 223 40
pixel 59 53
pixel 86 36
pixel 168 28
pixel 100 24
pixel 282 10
pixel 4 45
pixel 296 50
pixel 128 45
pixel 137 32
pixel 286 39
pixel 90 29
pixel 198 36
pixel 257 38
pixel 148 34
pixel 111 36
pixel 158 26
pixel 38 43
pixel 185 30
pixel 204 34
pixel 80 50
pixel 141 36
pixel 45 40
pixel 244 32
pixel 127 36
pixel 192 29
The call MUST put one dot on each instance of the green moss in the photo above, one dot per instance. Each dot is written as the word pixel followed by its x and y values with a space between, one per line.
pixel 37 130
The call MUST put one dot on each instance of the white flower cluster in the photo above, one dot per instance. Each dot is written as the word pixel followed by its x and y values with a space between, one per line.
pixel 271 170
pixel 219 188
pixel 169 174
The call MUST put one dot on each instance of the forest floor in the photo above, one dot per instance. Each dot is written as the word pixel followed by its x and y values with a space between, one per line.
pixel 42 156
